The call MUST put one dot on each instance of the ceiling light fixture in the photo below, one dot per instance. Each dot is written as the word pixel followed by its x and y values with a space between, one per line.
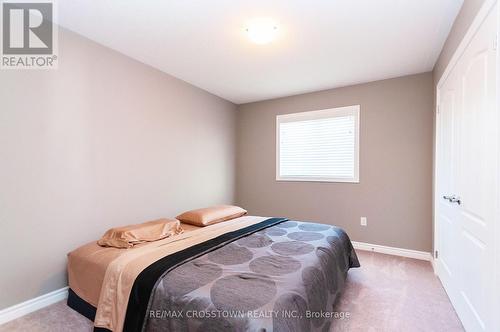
pixel 262 30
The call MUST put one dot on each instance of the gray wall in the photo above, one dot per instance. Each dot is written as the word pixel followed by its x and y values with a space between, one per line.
pixel 464 19
pixel 100 142
pixel 395 189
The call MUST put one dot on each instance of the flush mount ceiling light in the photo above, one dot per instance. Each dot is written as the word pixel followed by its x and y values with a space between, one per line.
pixel 262 30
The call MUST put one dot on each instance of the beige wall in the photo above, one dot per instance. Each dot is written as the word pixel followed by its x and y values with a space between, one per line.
pixel 102 141
pixel 395 163
pixel 464 19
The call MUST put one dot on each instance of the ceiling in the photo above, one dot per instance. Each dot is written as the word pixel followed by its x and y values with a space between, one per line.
pixel 321 44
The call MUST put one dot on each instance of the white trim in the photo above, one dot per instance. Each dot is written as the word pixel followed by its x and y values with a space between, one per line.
pixel 422 255
pixel 321 114
pixel 497 224
pixel 434 267
pixel 37 303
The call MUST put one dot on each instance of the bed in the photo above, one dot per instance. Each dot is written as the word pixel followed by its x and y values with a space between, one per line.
pixel 247 274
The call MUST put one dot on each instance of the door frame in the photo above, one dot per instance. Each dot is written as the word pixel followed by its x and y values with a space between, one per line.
pixel 476 24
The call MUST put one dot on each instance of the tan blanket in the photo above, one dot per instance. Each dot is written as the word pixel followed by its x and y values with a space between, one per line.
pixel 87 266
pixel 124 269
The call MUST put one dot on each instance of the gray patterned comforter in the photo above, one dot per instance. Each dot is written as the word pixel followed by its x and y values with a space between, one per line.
pixel 283 278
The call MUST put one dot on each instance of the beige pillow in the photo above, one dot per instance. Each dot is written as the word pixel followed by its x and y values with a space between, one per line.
pixel 211 215
pixel 129 236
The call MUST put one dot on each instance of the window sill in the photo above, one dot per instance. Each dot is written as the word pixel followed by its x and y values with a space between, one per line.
pixel 280 179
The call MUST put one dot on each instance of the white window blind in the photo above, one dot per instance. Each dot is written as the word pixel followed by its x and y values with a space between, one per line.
pixel 319 145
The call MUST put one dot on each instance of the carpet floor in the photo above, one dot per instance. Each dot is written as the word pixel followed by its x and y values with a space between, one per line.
pixel 388 293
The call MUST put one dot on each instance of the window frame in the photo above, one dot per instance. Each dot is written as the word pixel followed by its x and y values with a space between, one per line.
pixel 353 110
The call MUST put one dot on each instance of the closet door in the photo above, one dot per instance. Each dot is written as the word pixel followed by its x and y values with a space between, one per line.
pixel 447 155
pixel 467 180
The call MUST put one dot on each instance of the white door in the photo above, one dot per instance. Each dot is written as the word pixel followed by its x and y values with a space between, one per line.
pixel 467 181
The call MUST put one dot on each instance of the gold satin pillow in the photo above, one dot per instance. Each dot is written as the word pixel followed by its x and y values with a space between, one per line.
pixel 211 215
pixel 129 236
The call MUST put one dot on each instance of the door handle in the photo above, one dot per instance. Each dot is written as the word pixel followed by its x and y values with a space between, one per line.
pixel 453 199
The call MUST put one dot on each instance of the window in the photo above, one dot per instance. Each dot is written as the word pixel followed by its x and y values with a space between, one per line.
pixel 318 146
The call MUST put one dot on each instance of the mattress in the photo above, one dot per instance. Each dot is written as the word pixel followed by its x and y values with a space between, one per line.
pixel 87 267
pixel 247 274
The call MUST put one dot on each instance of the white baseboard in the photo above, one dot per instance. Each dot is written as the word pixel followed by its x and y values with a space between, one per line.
pixel 433 263
pixel 26 307
pixel 422 255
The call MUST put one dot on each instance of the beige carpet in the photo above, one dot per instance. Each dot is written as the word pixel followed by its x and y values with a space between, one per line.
pixel 387 293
